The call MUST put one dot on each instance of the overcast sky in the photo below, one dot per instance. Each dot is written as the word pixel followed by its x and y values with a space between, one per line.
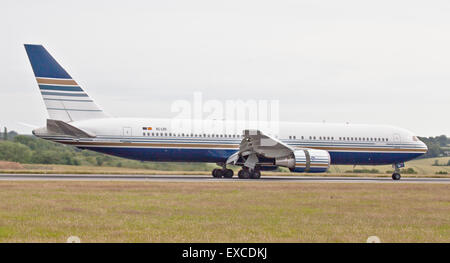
pixel 376 62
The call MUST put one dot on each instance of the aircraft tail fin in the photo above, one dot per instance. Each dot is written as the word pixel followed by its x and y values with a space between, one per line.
pixel 64 99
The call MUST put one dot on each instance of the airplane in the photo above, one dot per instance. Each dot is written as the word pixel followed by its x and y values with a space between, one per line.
pixel 75 119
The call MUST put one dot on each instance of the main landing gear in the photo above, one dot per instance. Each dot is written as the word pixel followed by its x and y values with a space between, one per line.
pixel 396 175
pixel 244 173
pixel 225 173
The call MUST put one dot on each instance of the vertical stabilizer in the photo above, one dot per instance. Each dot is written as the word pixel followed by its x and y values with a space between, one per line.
pixel 64 98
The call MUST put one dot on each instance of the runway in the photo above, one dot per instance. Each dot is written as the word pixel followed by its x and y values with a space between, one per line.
pixel 205 178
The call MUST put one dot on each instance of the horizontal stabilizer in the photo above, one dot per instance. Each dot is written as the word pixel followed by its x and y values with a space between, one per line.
pixel 60 128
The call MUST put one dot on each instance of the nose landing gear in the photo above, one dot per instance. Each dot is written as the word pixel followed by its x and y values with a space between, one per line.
pixel 396 175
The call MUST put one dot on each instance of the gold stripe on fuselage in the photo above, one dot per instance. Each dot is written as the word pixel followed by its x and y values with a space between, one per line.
pixel 236 146
pixel 163 145
pixel 367 149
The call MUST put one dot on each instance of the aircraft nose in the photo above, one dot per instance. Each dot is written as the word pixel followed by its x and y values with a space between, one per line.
pixel 424 146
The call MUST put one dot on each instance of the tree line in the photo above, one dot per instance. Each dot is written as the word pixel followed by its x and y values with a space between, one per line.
pixel 437 146
pixel 33 150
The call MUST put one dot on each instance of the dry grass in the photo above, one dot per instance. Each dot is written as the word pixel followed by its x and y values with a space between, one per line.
pixel 422 166
pixel 39 211
pixel 74 169
pixel 10 165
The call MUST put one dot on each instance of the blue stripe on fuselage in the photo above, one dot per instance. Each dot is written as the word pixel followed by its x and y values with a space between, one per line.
pixel 220 155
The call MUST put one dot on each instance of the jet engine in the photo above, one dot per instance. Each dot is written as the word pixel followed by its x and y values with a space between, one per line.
pixel 306 161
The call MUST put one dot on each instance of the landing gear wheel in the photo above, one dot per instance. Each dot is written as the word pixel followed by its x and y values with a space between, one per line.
pixel 244 174
pixel 228 173
pixel 396 176
pixel 255 175
pixel 217 173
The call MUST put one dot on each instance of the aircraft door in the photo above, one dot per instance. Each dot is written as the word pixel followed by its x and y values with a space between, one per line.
pixel 127 131
pixel 397 139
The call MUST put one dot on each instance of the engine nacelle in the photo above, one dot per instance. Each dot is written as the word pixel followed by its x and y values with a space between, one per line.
pixel 306 161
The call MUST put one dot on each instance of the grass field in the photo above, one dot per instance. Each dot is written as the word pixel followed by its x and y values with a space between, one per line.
pixel 423 167
pixel 39 211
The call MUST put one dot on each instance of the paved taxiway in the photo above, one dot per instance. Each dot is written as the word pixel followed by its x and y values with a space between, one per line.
pixel 204 178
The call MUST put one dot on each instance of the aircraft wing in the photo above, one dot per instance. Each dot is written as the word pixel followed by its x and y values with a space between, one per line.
pixel 257 144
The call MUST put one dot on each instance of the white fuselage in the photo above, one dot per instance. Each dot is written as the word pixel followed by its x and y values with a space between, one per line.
pixel 215 140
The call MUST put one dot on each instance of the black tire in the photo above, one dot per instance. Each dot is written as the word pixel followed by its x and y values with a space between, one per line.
pixel 244 174
pixel 396 176
pixel 256 175
pixel 228 173
pixel 217 173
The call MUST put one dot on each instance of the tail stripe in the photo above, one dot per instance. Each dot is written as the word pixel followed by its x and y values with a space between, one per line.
pixel 70 109
pixel 60 88
pixel 56 81
pixel 64 94
pixel 67 100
